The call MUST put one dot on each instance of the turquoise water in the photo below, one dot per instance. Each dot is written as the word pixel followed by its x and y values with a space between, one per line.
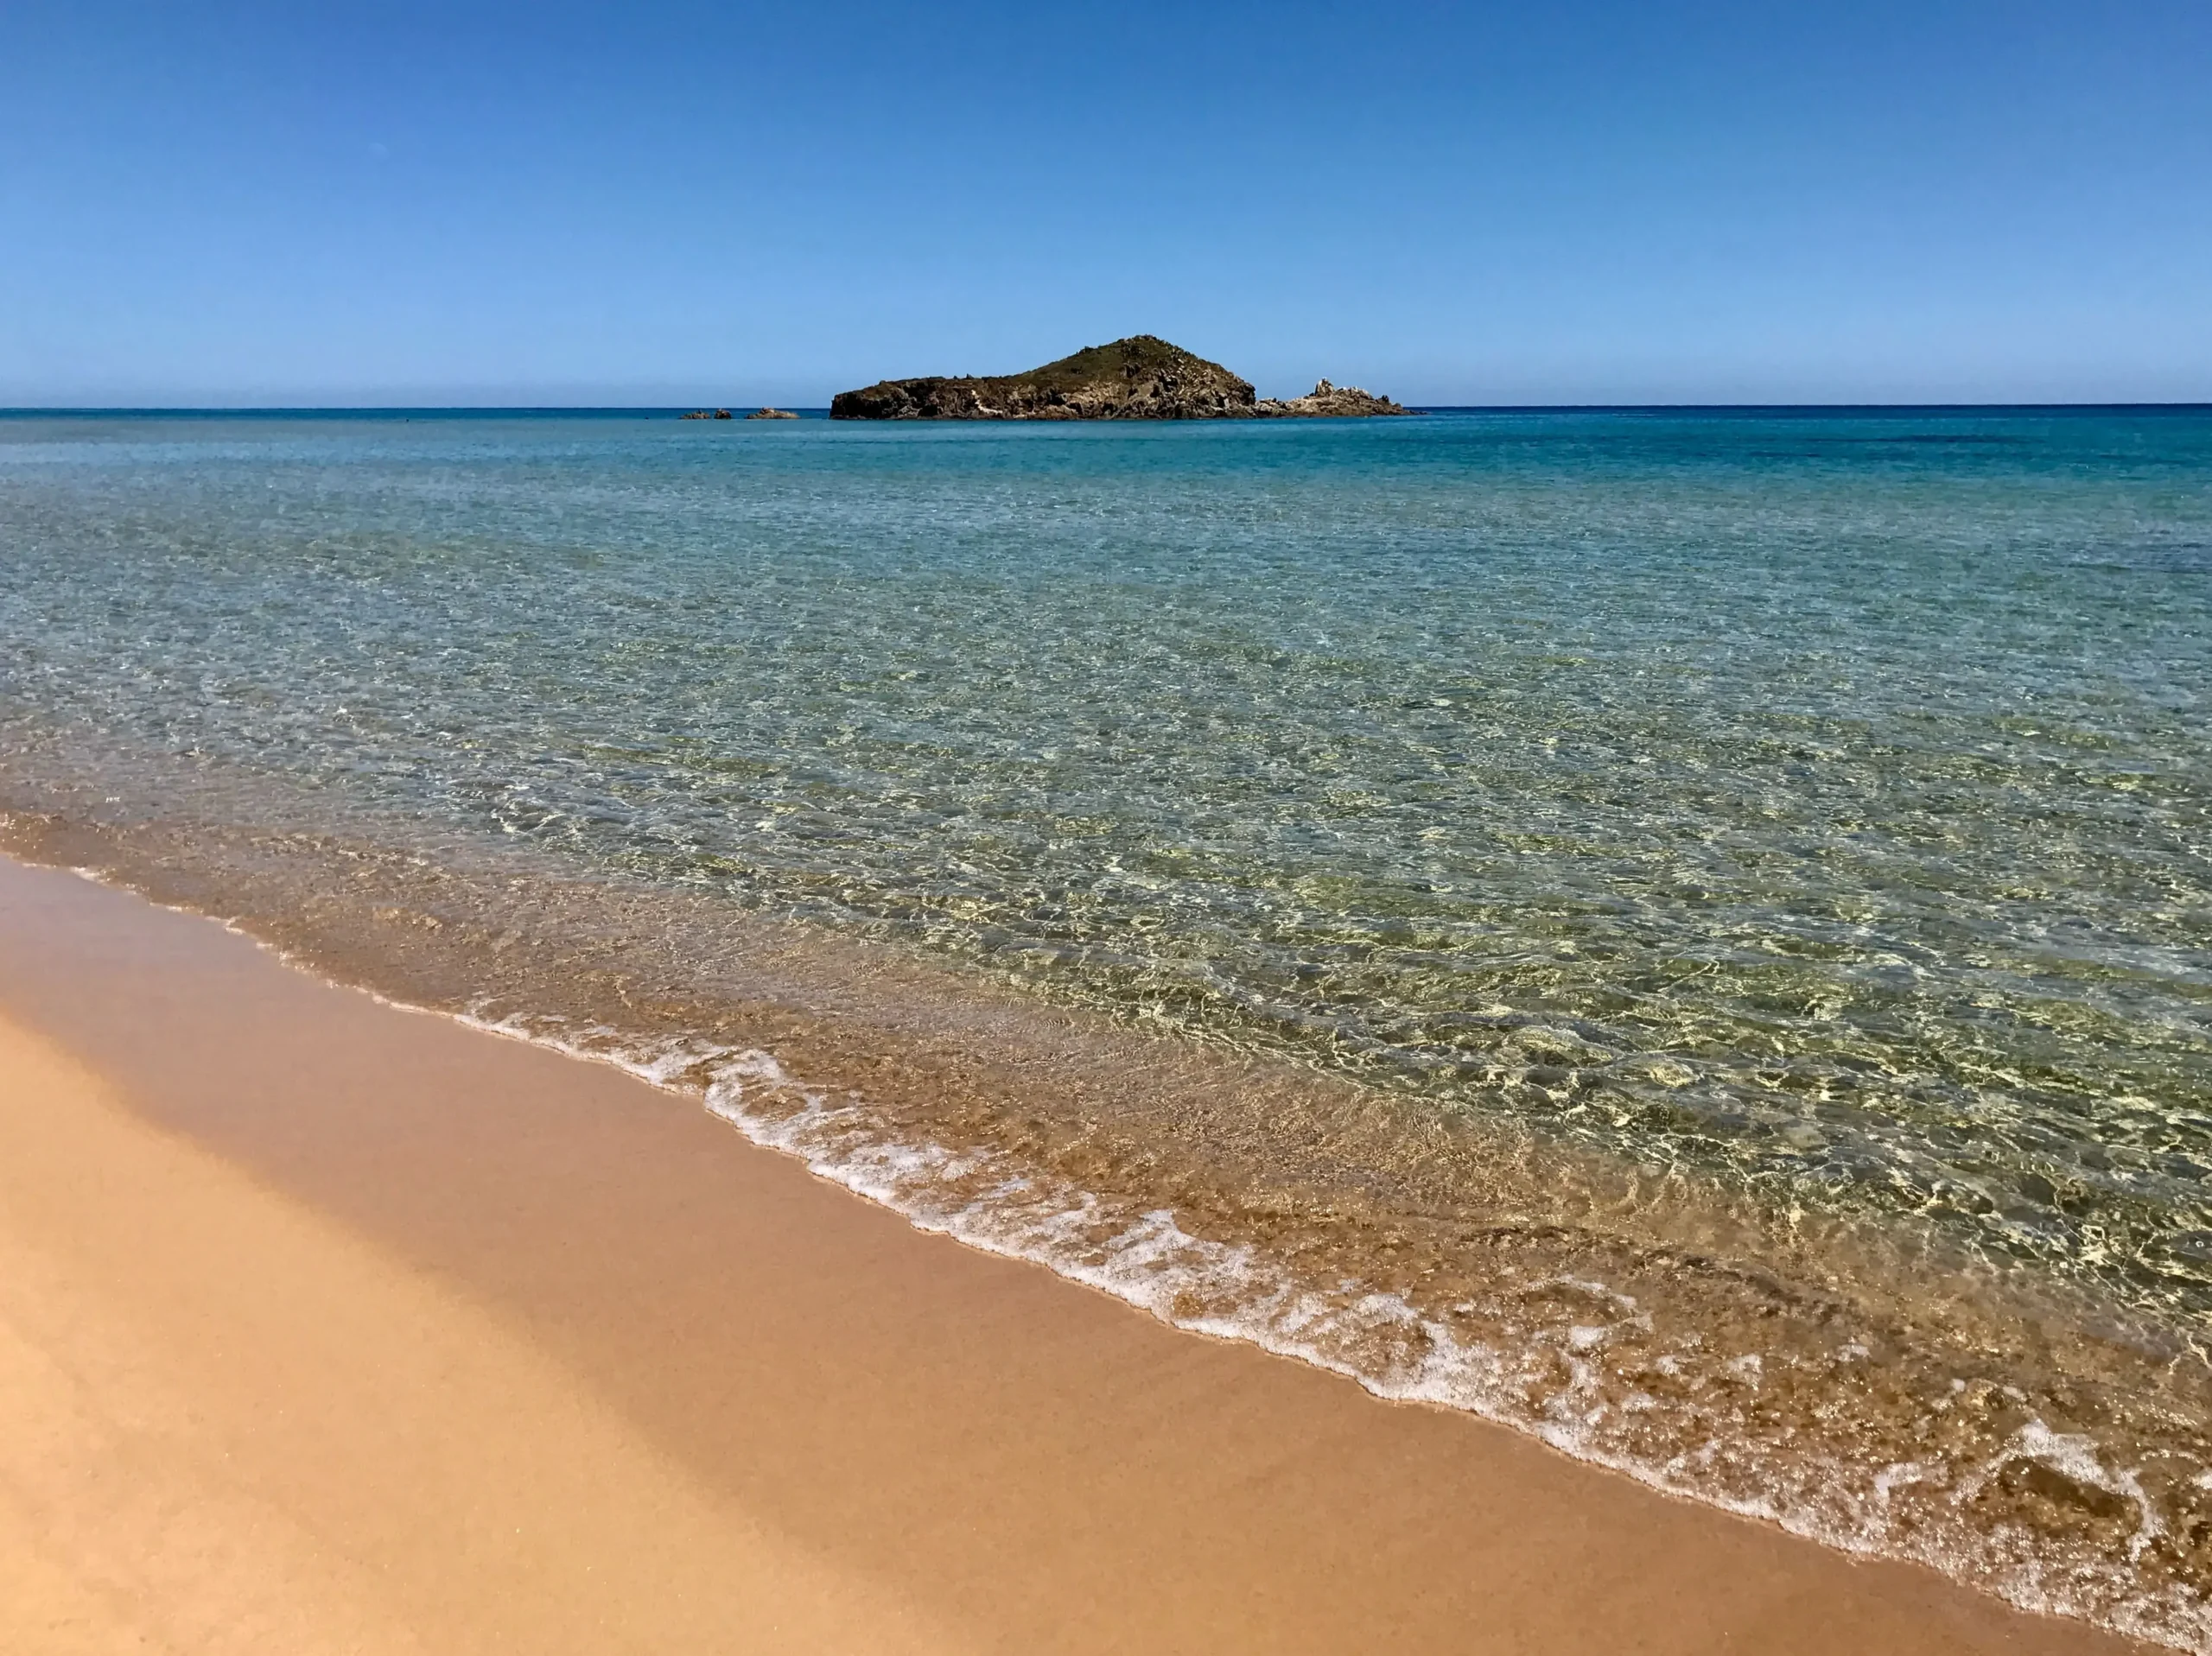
pixel 1815 803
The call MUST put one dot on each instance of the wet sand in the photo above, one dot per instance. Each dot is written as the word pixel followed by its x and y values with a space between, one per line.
pixel 325 1325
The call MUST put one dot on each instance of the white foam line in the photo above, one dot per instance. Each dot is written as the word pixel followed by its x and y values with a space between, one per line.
pixel 1151 1263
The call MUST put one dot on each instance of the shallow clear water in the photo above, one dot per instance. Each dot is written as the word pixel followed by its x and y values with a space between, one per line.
pixel 1817 804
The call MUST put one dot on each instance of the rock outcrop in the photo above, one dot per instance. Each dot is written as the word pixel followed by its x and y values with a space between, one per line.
pixel 1327 402
pixel 707 414
pixel 1138 378
pixel 772 414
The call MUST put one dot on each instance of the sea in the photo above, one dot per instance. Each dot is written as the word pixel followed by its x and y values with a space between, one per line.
pixel 1684 932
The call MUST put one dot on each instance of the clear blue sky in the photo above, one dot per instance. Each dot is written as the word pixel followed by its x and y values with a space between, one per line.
pixel 1609 200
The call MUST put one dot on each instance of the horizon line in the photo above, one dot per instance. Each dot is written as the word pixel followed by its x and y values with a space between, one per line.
pixel 61 409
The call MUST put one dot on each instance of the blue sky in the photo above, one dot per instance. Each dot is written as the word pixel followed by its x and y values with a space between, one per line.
pixel 1570 202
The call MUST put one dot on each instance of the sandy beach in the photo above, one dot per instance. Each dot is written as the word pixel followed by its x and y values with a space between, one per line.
pixel 325 1325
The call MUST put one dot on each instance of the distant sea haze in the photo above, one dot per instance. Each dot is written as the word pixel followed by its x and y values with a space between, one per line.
pixel 1681 931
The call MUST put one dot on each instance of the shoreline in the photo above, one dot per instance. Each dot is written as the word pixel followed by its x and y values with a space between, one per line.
pixel 1909 1414
pixel 942 1448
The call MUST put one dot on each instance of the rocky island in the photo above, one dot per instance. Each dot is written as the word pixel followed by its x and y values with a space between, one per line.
pixel 1138 378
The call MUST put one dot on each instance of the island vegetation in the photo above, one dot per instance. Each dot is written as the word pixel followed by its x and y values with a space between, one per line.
pixel 1142 378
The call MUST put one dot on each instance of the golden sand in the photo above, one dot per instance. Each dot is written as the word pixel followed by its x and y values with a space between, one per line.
pixel 327 1326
